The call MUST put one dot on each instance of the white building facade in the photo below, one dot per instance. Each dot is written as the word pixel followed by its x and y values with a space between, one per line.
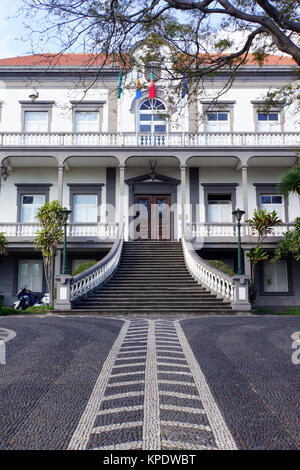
pixel 99 155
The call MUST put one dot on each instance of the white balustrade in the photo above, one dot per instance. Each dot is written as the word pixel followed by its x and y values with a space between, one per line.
pixel 103 231
pixel 218 282
pixel 207 230
pixel 131 139
pixel 97 274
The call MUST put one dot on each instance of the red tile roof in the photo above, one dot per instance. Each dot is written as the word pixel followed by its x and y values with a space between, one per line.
pixel 89 60
pixel 54 60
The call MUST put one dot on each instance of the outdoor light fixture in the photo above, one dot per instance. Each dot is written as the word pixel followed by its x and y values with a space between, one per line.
pixel 65 215
pixel 239 214
pixel 34 95
pixel 6 169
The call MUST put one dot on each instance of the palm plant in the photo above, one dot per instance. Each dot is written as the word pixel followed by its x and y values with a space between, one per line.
pixel 290 182
pixel 3 244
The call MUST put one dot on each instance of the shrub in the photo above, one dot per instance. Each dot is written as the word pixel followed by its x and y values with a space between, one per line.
pixel 221 266
pixel 83 266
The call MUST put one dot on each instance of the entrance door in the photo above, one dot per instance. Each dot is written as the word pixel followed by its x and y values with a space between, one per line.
pixel 154 217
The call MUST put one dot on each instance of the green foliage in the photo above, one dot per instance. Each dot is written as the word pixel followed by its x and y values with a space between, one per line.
pixel 3 243
pixel 262 223
pixel 49 236
pixel 221 266
pixel 257 254
pixel 252 293
pixel 30 310
pixel 289 245
pixel 291 311
pixel 83 267
pixel 290 182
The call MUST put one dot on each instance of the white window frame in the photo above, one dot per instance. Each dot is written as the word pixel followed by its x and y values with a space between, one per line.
pixel 90 126
pixel 41 125
pixel 268 125
pixel 279 286
pixel 153 109
pixel 273 206
pixel 33 207
pixel 217 125
pixel 85 205
pixel 30 284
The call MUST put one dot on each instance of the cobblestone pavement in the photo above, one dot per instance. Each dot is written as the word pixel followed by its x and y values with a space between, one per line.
pixel 137 383
pixel 151 395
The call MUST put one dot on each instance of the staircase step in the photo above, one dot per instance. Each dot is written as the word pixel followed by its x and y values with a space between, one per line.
pixel 152 278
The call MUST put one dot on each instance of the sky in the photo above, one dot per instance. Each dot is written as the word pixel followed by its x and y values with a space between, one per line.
pixel 12 30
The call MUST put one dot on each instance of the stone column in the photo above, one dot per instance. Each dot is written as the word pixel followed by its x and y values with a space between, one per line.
pixel 183 183
pixel 60 182
pixel 122 195
pixel 245 190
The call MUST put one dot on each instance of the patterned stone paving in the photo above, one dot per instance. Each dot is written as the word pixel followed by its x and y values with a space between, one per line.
pixel 151 395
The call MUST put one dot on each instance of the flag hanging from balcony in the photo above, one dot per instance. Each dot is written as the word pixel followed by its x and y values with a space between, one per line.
pixel 138 93
pixel 152 91
pixel 120 89
pixel 184 86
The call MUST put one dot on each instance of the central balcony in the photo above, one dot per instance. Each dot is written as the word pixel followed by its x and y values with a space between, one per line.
pixel 131 139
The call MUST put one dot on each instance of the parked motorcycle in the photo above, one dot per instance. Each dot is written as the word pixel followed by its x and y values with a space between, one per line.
pixel 27 298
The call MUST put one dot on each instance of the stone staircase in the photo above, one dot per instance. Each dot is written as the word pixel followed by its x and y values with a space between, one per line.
pixel 152 278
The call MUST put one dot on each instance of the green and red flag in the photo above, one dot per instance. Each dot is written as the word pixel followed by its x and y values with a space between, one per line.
pixel 152 91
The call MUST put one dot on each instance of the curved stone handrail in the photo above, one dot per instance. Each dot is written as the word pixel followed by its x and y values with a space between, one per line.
pixel 100 272
pixel 217 281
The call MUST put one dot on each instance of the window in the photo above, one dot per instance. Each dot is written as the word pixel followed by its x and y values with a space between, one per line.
pixel 86 121
pixel 219 208
pixel 85 208
pixel 152 116
pixel 217 122
pixel 272 202
pixel 30 205
pixel 268 122
pixel 31 275
pixel 36 121
pixel 275 276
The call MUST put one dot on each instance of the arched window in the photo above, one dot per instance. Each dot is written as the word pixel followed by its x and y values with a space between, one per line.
pixel 152 116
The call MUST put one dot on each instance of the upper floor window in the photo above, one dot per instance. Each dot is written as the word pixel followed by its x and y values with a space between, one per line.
pixel 217 122
pixel 36 121
pixel 30 204
pixel 85 208
pixel 272 202
pixel 152 116
pixel 219 208
pixel 86 121
pixel 268 122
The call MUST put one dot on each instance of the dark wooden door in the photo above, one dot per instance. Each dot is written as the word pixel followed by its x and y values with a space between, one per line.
pixel 155 217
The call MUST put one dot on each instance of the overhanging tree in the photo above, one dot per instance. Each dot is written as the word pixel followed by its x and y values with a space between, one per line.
pixel 49 237
pixel 202 33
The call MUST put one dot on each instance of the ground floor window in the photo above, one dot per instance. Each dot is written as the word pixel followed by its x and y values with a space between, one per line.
pixel 31 275
pixel 275 276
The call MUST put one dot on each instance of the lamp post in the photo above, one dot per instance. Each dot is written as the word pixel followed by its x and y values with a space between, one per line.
pixel 65 214
pixel 239 214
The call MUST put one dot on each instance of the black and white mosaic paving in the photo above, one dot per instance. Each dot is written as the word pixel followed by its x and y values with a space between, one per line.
pixel 151 394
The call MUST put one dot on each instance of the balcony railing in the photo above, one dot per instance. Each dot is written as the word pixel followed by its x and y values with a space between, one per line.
pixel 131 139
pixel 102 231
pixel 208 230
pixel 110 231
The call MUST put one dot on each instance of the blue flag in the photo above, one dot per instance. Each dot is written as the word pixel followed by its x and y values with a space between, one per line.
pixel 184 86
